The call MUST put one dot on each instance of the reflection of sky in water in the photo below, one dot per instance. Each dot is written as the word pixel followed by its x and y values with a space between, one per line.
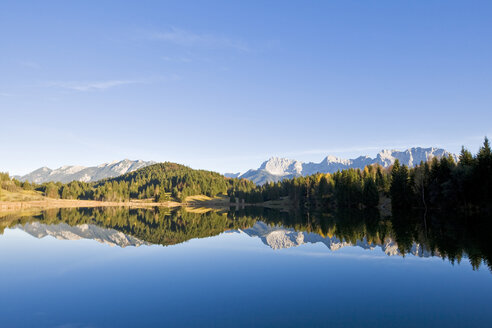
pixel 232 280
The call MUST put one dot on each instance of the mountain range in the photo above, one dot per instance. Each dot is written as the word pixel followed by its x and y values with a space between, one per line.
pixel 85 174
pixel 272 170
pixel 276 169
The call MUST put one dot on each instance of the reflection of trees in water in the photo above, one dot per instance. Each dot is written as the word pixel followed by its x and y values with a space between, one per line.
pixel 448 235
pixel 157 225
pixel 441 234
pixel 350 225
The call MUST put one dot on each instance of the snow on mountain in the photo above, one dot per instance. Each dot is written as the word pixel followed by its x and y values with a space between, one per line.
pixel 282 166
pixel 279 237
pixel 85 174
pixel 276 169
pixel 64 231
pixel 232 175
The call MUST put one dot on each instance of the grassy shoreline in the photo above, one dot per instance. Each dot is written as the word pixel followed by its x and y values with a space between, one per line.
pixel 68 203
pixel 47 203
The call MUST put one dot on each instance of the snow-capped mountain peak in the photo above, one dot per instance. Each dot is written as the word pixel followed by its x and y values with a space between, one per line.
pixel 69 173
pixel 281 166
pixel 277 168
pixel 334 159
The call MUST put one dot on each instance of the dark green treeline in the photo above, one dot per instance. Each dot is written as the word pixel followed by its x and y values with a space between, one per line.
pixel 444 184
pixel 441 183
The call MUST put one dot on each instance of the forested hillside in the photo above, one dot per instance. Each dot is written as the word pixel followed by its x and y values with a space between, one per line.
pixel 159 182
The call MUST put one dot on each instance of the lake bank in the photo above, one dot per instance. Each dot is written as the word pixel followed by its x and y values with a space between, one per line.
pixel 49 203
pixel 69 203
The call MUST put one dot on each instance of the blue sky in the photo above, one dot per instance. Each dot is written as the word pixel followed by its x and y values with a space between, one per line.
pixel 223 85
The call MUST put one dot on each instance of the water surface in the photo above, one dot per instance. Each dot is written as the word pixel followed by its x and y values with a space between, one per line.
pixel 155 268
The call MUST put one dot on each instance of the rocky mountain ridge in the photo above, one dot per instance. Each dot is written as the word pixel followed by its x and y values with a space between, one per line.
pixel 276 169
pixel 84 174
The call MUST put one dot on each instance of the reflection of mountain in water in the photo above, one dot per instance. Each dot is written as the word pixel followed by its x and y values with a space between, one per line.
pixel 63 231
pixel 126 227
pixel 278 237
pixel 448 236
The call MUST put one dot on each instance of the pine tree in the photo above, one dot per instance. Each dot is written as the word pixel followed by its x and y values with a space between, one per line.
pixel 484 172
pixel 466 158
pixel 370 194
pixel 399 190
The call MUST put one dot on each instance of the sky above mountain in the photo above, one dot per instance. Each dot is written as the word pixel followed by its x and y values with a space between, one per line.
pixel 222 85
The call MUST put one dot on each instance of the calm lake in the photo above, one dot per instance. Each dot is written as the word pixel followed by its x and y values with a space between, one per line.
pixel 117 267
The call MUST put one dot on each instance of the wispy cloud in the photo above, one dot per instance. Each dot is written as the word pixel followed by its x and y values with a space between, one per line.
pixel 190 39
pixel 92 86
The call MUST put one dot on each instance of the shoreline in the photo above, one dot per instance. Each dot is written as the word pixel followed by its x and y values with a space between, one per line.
pixel 193 202
pixel 71 203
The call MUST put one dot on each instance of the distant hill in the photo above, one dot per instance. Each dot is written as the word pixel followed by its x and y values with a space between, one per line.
pixel 276 169
pixel 84 174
